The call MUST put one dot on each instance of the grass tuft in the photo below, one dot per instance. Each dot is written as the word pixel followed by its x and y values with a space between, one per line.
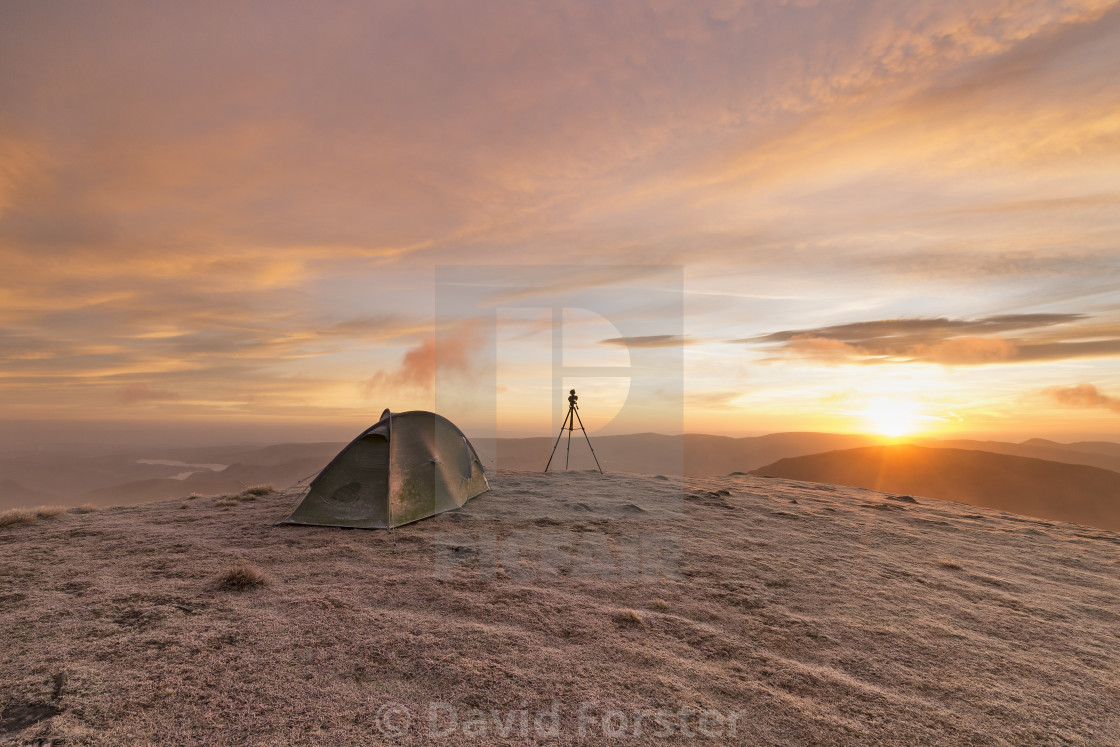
pixel 659 604
pixel 950 565
pixel 226 502
pixel 14 516
pixel 253 492
pixel 627 617
pixel 86 508
pixel 241 577
pixel 184 504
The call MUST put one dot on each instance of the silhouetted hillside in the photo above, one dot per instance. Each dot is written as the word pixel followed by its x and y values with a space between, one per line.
pixel 1093 454
pixel 1052 490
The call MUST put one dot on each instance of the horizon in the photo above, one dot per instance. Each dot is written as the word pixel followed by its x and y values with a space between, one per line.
pixel 727 218
pixel 101 436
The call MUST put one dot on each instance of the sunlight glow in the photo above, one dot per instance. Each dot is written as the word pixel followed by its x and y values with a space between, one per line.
pixel 891 417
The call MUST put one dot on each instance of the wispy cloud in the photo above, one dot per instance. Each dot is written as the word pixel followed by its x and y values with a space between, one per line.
pixel 917 331
pixel 950 342
pixel 650 341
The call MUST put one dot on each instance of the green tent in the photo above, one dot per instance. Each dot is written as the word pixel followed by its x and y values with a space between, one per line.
pixel 406 467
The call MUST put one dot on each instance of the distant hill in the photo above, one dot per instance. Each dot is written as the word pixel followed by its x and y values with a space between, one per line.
pixel 698 455
pixel 233 479
pixel 1095 454
pixel 57 476
pixel 692 454
pixel 13 494
pixel 1037 487
pixel 269 454
pixel 1089 447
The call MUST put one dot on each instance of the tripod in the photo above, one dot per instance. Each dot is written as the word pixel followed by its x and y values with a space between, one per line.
pixel 570 425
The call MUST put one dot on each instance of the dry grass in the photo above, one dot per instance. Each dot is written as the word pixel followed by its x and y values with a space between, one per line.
pixel 241 577
pixel 226 502
pixel 184 504
pixel 950 565
pixel 86 508
pixel 627 617
pixel 15 516
pixel 659 604
pixel 255 491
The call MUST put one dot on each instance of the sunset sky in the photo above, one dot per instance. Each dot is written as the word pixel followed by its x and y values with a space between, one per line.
pixel 891 216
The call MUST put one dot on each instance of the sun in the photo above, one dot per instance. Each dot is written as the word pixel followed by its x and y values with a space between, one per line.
pixel 891 417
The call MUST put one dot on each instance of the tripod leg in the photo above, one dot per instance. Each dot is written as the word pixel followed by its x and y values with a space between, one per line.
pixel 558 435
pixel 571 427
pixel 588 442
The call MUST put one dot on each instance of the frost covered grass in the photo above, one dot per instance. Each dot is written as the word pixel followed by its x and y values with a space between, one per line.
pixel 826 621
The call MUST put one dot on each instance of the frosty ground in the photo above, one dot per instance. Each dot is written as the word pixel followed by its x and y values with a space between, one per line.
pixel 564 608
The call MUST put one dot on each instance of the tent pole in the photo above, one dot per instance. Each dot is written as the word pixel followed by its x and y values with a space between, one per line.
pixel 389 471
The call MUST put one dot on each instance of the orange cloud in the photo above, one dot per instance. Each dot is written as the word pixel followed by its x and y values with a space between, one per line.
pixel 1082 395
pixel 969 351
pixel 452 351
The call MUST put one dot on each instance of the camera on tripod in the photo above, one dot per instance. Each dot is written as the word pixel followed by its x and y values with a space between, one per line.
pixel 569 425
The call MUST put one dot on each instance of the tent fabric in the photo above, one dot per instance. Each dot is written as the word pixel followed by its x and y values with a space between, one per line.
pixel 406 467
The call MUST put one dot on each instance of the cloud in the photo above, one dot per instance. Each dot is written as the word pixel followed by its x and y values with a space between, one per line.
pixel 1082 395
pixel 968 351
pixel 650 341
pixel 374 327
pixel 450 351
pixel 252 147
pixel 940 340
pixel 914 331
pixel 513 285
pixel 823 349
pixel 1056 351
pixel 141 392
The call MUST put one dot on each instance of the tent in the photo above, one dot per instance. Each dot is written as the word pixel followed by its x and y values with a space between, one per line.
pixel 406 467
